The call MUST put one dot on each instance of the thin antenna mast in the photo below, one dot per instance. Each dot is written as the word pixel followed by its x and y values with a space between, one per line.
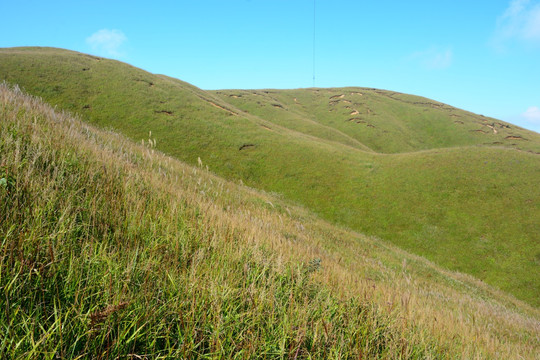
pixel 314 42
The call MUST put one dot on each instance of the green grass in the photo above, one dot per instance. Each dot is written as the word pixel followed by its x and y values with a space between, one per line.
pixel 383 121
pixel 112 250
pixel 421 177
pixel 101 259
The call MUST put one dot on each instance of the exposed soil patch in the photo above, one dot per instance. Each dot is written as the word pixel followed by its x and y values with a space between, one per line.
pixel 492 127
pixel 246 146
pixel 357 93
pixel 515 137
pixel 166 112
pixel 340 96
pixel 235 96
pixel 278 106
pixel 458 122
pixel 149 83
pixel 369 125
pixel 222 108
pixel 481 131
pixel 355 112
pixel 266 127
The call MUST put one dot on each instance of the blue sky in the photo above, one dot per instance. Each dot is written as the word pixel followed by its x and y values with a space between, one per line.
pixel 482 56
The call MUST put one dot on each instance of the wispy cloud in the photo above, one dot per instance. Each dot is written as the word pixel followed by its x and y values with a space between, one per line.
pixel 530 119
pixel 107 42
pixel 434 58
pixel 520 21
pixel 532 115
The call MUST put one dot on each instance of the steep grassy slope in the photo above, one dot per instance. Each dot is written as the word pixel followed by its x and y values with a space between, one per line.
pixel 469 208
pixel 112 250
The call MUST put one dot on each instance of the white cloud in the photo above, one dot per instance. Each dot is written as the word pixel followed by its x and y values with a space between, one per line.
pixel 520 21
pixel 532 28
pixel 107 42
pixel 532 115
pixel 434 58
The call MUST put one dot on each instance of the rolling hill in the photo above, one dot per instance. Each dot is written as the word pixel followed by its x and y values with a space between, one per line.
pixel 111 249
pixel 378 120
pixel 458 188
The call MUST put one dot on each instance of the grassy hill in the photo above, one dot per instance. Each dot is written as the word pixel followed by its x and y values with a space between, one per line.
pixel 379 120
pixel 113 250
pixel 455 187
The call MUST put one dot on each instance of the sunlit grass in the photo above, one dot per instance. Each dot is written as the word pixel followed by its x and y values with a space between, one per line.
pixel 421 176
pixel 110 249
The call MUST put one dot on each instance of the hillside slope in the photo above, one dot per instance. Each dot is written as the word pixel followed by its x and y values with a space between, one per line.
pixel 384 121
pixel 469 208
pixel 112 250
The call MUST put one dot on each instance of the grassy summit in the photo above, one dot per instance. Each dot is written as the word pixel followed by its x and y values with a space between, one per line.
pixel 456 187
pixel 379 120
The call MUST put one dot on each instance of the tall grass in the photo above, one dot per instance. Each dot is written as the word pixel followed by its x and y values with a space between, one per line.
pixel 101 258
pixel 109 249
